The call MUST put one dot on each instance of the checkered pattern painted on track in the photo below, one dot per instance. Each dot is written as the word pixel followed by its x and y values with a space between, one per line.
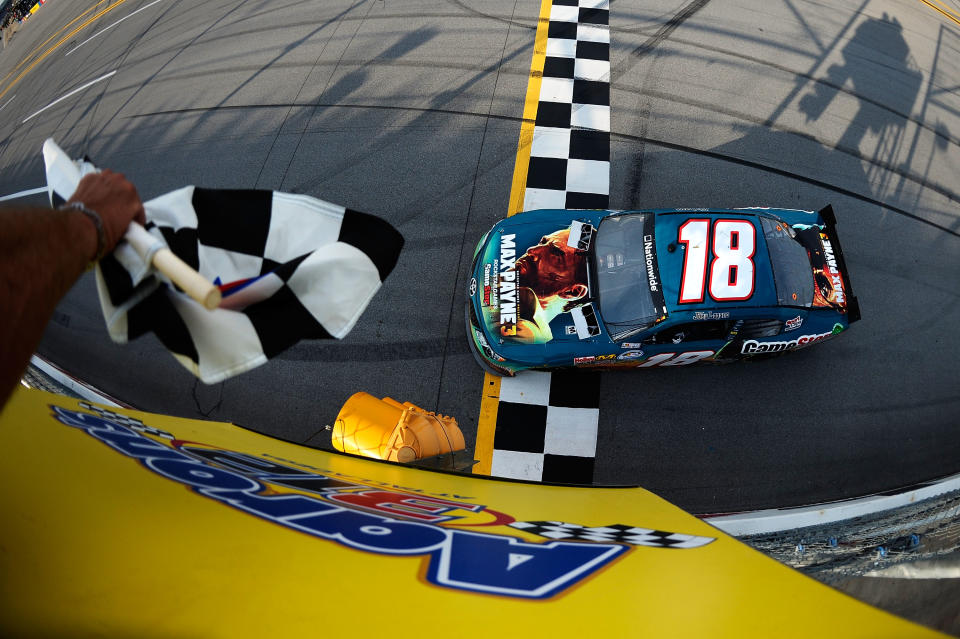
pixel 546 427
pixel 570 154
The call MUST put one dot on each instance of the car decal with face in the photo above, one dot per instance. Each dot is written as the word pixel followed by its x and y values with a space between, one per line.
pixel 535 277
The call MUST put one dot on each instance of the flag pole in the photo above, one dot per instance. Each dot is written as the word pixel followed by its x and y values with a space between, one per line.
pixel 180 273
pixel 64 179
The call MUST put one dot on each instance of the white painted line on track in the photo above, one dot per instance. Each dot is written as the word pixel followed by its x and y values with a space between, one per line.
pixel 101 31
pixel 7 102
pixel 14 196
pixel 77 90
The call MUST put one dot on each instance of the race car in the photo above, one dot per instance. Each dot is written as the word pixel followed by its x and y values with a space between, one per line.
pixel 666 287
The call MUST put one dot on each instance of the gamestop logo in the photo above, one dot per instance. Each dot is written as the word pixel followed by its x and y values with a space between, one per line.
pixel 753 347
pixel 357 515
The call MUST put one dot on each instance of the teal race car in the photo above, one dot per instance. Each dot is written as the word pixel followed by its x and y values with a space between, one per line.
pixel 642 289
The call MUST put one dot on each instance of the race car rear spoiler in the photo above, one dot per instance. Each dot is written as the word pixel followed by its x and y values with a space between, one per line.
pixel 852 304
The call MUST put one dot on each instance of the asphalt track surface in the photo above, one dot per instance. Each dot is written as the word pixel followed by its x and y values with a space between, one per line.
pixel 412 111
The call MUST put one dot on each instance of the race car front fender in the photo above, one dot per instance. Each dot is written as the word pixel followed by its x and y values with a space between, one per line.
pixel 482 352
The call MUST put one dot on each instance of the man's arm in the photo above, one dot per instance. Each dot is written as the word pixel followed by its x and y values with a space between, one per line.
pixel 43 252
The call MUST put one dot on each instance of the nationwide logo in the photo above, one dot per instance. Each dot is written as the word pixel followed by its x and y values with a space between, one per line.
pixel 650 260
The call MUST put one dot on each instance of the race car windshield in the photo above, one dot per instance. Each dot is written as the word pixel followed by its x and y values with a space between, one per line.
pixel 791 265
pixel 626 273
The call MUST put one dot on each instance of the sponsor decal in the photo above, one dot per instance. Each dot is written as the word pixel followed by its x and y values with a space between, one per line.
pixel 650 259
pixel 753 347
pixel 630 355
pixel 793 324
pixel 473 286
pixel 571 330
pixel 630 345
pixel 831 271
pixel 595 360
pixel 368 516
pixel 711 315
pixel 829 288
pixel 486 284
pixel 508 284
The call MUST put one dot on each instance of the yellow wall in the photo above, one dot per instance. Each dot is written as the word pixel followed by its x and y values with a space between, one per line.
pixel 130 525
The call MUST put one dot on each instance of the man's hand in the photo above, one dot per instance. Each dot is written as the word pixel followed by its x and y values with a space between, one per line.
pixel 116 201
pixel 42 253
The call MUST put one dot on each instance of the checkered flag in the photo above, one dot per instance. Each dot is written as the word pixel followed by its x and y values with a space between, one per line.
pixel 616 533
pixel 288 266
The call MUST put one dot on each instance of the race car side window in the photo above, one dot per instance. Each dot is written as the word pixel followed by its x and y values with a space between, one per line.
pixel 792 271
pixel 756 328
pixel 691 332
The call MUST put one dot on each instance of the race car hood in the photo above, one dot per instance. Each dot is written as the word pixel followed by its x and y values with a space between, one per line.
pixel 678 263
pixel 525 274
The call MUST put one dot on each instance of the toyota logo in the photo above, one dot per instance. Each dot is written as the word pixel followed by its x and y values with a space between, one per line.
pixel 473 286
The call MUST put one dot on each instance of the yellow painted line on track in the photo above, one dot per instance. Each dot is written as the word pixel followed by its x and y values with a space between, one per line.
pixel 60 42
pixel 30 55
pixel 522 162
pixel 487 424
pixel 490 398
pixel 943 9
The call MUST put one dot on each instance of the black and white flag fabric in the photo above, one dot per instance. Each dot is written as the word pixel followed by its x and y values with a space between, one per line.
pixel 289 267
